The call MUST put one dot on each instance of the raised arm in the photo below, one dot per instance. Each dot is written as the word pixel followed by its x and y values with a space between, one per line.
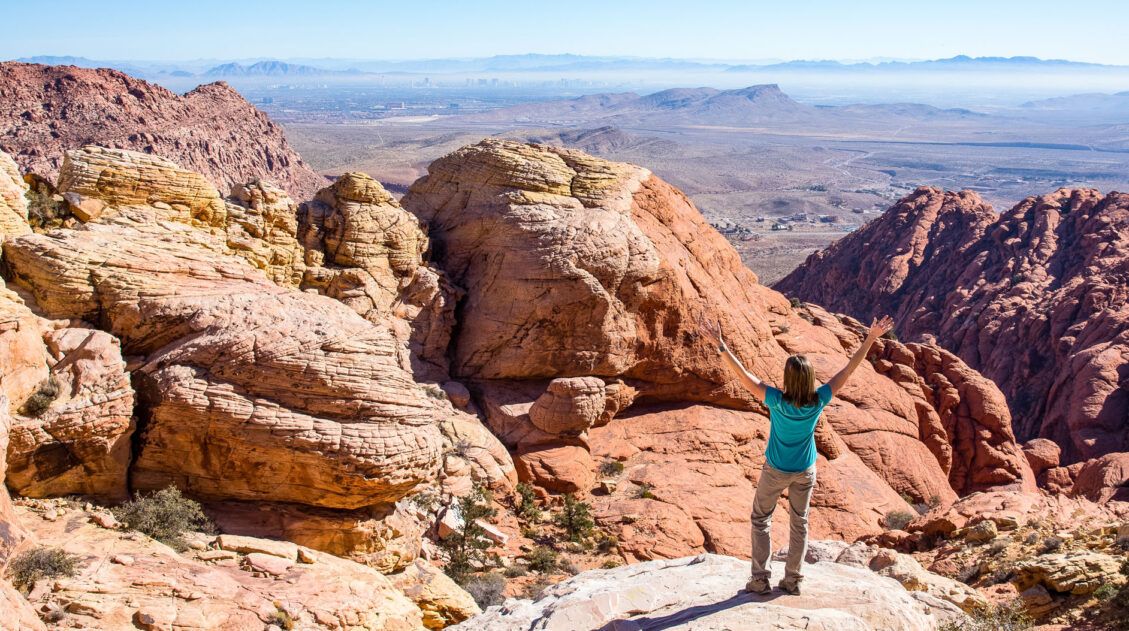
pixel 878 328
pixel 747 379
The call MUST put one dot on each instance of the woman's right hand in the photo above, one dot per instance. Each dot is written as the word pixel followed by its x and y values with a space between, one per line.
pixel 712 330
pixel 880 327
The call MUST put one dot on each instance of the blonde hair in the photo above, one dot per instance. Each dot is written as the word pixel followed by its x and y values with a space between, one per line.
pixel 799 382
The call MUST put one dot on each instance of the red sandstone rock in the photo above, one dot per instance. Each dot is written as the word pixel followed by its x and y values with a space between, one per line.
pixel 1034 299
pixel 1103 479
pixel 579 268
pixel 1042 454
pixel 46 110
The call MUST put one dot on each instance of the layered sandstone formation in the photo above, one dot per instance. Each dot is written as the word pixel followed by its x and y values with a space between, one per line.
pixel 124 581
pixel 1033 298
pixel 586 283
pixel 363 249
pixel 306 403
pixel 48 110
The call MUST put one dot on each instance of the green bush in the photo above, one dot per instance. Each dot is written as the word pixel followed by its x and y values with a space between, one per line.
pixel 515 571
pixel 487 589
pixel 611 468
pixel 281 619
pixel 1106 592
pixel 165 516
pixel 467 547
pixel 542 559
pixel 645 492
pixel 527 503
pixel 42 398
pixel 575 518
pixel 40 563
pixel 898 520
pixel 1003 617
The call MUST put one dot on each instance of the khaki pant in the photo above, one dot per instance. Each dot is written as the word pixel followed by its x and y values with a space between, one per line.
pixel 772 483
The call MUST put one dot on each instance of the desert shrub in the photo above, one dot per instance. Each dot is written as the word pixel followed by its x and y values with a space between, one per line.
pixel 527 503
pixel 461 448
pixel 934 501
pixel 40 563
pixel 42 398
pixel 426 501
pixel 795 302
pixel 606 542
pixel 575 518
pixel 898 520
pixel 890 335
pixel 1106 592
pixel 514 571
pixel 281 619
pixel 611 468
pixel 569 567
pixel 1031 539
pixel 165 516
pixel 533 590
pixel 542 559
pixel 1002 574
pixel 43 210
pixel 1052 544
pixel 467 547
pixel 611 564
pixel 998 546
pixel 1002 617
pixel 968 574
pixel 645 491
pixel 486 589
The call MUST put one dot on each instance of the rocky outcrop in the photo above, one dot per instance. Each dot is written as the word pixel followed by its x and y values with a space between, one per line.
pixel 48 110
pixel 79 444
pixel 363 249
pixel 13 205
pixel 441 600
pixel 1103 479
pixel 704 592
pixel 128 581
pixel 1033 299
pixel 300 394
pixel 580 272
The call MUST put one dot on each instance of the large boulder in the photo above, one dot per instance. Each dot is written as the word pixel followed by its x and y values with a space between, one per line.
pixel 1032 298
pixel 13 204
pixel 704 592
pixel 79 443
pixel 363 249
pixel 575 267
pixel 249 390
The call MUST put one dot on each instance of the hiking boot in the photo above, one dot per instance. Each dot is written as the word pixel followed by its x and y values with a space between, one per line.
pixel 758 586
pixel 790 586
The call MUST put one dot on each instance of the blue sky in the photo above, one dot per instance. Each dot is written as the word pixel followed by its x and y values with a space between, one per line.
pixel 722 29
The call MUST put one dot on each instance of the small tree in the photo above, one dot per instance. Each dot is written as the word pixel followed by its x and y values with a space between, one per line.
pixel 165 516
pixel 467 547
pixel 575 518
pixel 527 503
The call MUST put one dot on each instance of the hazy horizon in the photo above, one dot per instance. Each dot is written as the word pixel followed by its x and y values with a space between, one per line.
pixel 719 30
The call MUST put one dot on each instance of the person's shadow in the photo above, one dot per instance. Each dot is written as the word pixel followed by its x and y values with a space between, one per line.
pixel 689 614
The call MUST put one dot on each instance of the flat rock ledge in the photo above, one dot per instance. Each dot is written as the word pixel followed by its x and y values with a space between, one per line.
pixel 704 593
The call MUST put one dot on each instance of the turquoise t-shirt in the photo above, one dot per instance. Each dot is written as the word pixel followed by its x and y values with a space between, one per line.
pixel 791 434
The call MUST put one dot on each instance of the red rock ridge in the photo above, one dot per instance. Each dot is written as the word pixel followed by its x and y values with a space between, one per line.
pixel 46 110
pixel 1034 299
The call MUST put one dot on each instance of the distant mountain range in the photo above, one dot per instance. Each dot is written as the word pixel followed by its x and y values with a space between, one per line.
pixel 565 63
pixel 755 105
pixel 271 69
